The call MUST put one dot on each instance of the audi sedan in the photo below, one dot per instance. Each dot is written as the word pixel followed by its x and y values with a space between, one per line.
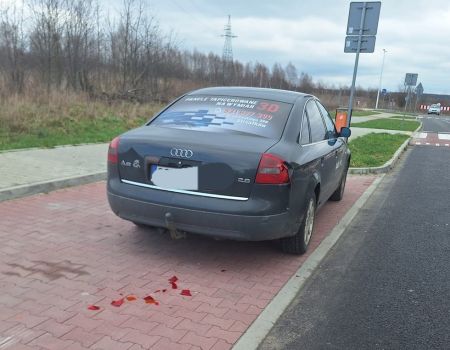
pixel 235 163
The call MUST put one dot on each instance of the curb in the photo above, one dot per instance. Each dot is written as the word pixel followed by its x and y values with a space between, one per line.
pixel 389 165
pixel 51 147
pixel 47 186
pixel 259 329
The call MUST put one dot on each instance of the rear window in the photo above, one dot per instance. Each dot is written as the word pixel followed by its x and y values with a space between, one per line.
pixel 226 114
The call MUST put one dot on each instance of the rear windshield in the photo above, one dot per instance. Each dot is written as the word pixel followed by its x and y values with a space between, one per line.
pixel 226 114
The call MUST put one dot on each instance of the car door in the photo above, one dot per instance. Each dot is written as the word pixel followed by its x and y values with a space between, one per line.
pixel 322 149
pixel 336 143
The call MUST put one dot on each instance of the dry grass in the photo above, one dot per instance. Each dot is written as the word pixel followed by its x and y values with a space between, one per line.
pixel 63 118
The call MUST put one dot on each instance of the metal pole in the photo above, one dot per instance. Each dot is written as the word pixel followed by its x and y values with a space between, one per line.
pixel 381 79
pixel 406 103
pixel 355 70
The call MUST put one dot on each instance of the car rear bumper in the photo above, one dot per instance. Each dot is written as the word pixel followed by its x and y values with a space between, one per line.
pixel 214 224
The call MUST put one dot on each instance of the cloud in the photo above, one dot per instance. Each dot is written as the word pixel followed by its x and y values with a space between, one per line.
pixel 311 35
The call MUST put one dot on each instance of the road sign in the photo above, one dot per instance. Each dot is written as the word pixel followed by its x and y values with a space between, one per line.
pixel 383 91
pixel 367 43
pixel 362 25
pixel 419 89
pixel 411 79
pixel 372 14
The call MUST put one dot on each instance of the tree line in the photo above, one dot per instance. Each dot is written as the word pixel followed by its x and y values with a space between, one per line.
pixel 75 45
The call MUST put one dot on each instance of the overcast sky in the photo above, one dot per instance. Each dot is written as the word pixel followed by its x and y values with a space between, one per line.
pixel 310 34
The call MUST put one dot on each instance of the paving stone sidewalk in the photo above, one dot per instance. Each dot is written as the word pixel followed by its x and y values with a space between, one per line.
pixel 63 251
pixel 25 167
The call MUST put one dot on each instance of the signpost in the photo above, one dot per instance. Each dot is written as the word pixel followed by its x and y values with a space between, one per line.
pixel 410 81
pixel 419 93
pixel 362 27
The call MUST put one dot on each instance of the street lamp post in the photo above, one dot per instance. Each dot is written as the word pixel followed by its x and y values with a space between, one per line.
pixel 381 78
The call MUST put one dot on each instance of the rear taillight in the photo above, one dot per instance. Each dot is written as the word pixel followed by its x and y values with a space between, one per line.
pixel 272 170
pixel 113 150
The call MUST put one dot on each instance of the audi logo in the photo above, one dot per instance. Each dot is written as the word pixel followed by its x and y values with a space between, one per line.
pixel 181 153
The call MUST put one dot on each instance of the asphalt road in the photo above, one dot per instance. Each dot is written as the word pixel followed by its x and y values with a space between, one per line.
pixel 435 124
pixel 386 284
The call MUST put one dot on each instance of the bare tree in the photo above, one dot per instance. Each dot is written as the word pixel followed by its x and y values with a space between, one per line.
pixel 13 47
pixel 46 40
pixel 78 42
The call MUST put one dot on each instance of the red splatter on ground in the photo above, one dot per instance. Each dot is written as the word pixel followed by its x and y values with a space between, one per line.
pixel 131 297
pixel 150 300
pixel 174 285
pixel 93 307
pixel 186 292
pixel 173 279
pixel 117 302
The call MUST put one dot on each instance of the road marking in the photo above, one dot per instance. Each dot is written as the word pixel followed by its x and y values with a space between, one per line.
pixel 447 144
pixel 444 136
pixel 418 143
pixel 427 143
pixel 438 144
pixel 422 135
pixel 259 329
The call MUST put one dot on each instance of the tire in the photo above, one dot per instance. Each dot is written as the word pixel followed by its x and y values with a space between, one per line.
pixel 298 244
pixel 339 193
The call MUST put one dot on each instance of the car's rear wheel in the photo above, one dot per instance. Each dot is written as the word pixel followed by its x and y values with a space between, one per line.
pixel 298 244
pixel 339 193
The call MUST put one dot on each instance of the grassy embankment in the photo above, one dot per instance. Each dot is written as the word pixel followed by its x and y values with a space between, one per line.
pixel 374 149
pixel 66 120
pixel 363 113
pixel 389 124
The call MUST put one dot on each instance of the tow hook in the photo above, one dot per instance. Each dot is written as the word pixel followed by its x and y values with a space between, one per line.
pixel 170 224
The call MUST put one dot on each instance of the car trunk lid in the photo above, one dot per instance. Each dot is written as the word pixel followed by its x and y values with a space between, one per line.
pixel 222 164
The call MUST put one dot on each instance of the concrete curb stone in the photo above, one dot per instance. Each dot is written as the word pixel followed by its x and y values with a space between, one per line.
pixel 48 186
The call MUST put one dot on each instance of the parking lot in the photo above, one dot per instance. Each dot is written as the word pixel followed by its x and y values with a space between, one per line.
pixel 65 251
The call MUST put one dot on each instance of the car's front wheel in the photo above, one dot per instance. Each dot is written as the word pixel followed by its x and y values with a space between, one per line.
pixel 298 244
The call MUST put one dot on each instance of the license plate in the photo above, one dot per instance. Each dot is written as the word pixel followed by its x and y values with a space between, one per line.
pixel 175 178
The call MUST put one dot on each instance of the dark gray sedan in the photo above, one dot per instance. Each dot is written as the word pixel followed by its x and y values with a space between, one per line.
pixel 235 163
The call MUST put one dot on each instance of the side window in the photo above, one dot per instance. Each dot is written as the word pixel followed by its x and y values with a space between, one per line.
pixel 328 121
pixel 317 127
pixel 304 136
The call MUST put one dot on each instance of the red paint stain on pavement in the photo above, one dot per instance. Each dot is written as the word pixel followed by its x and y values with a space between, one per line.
pixel 118 302
pixel 186 292
pixel 93 307
pixel 150 300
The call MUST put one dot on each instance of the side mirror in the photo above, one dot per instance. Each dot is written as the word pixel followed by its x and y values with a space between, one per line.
pixel 345 132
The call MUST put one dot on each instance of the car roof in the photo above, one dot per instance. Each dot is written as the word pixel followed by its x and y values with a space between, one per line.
pixel 262 93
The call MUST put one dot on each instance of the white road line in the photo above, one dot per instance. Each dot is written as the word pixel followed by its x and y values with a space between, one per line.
pixel 438 144
pixel 444 136
pixel 422 135
pixel 418 143
pixel 447 144
pixel 427 143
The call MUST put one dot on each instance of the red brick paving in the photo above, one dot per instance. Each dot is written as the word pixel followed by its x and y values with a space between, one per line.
pixel 63 251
